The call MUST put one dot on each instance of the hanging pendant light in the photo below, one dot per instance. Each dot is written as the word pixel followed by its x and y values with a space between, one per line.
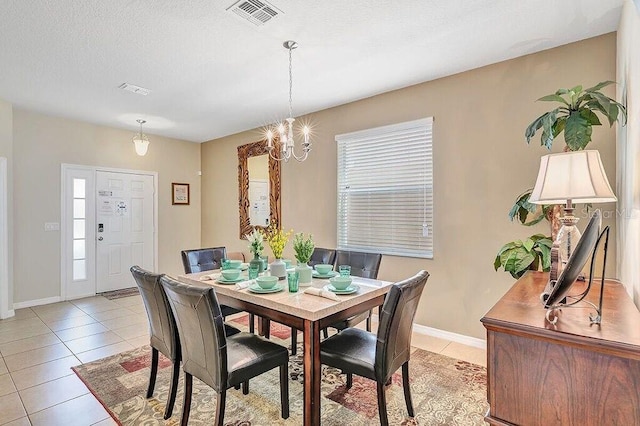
pixel 285 129
pixel 141 141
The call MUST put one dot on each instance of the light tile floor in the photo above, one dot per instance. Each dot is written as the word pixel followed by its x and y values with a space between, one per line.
pixel 40 344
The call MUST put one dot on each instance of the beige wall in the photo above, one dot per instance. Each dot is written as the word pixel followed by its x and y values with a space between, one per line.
pixel 628 188
pixel 6 150
pixel 42 143
pixel 481 163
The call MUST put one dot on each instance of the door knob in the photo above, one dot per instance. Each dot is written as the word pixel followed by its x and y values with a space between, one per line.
pixel 100 238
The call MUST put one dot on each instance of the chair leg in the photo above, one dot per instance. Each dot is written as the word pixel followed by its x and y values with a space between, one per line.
pixel 252 328
pixel 186 406
pixel 369 320
pixel 294 341
pixel 173 390
pixel 245 388
pixel 237 387
pixel 325 333
pixel 349 380
pixel 382 405
pixel 407 389
pixel 154 372
pixel 284 390
pixel 222 398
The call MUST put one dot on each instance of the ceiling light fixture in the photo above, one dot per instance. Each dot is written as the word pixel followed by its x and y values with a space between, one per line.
pixel 141 141
pixel 285 130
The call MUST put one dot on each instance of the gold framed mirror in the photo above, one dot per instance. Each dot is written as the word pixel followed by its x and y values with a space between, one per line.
pixel 259 187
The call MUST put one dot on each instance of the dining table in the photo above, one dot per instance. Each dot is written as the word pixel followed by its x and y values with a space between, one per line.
pixel 303 311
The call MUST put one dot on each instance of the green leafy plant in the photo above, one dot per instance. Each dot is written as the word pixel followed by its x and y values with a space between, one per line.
pixel 522 208
pixel 303 246
pixel 576 116
pixel 519 256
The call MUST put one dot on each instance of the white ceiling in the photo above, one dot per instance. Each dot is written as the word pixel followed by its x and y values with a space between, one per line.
pixel 213 74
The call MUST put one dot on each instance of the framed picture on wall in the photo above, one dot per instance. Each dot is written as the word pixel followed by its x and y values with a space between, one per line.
pixel 180 193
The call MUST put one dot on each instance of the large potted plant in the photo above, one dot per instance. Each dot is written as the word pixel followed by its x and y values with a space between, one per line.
pixel 574 117
pixel 303 247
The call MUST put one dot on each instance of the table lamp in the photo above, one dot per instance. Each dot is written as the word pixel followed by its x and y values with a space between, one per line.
pixel 567 177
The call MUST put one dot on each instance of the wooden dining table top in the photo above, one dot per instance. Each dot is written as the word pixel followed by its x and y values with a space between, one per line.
pixel 299 304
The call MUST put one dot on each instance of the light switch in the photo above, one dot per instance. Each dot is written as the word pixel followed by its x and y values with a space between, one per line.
pixel 51 226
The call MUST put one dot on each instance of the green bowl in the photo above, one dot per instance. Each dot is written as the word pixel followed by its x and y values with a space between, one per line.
pixel 267 282
pixel 231 274
pixel 340 283
pixel 323 268
pixel 233 264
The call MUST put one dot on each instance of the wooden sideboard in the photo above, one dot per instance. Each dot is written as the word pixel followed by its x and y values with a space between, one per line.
pixel 572 373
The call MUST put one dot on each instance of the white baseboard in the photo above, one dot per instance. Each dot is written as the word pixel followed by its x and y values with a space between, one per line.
pixel 37 302
pixel 10 313
pixel 447 335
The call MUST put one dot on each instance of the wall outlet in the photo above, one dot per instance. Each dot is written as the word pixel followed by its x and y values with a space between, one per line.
pixel 51 226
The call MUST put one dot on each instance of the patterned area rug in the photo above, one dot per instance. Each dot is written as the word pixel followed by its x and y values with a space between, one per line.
pixel 117 294
pixel 445 391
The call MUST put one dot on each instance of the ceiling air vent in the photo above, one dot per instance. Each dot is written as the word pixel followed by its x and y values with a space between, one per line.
pixel 134 89
pixel 255 11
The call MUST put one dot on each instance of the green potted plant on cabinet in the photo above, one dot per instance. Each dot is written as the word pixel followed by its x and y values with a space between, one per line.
pixel 574 117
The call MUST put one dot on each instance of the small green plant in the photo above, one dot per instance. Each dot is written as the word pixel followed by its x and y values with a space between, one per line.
pixel 256 242
pixel 303 246
pixel 519 256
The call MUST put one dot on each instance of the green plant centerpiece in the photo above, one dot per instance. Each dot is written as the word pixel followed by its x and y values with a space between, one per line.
pixel 577 112
pixel 303 247
pixel 256 247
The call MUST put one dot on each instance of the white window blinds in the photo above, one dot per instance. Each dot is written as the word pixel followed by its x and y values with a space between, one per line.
pixel 385 190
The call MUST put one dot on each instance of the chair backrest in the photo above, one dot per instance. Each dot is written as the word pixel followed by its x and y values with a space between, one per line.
pixel 322 255
pixel 396 323
pixel 162 325
pixel 365 265
pixel 201 329
pixel 205 259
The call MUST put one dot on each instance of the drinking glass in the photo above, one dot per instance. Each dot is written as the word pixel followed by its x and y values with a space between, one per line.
pixel 345 270
pixel 254 269
pixel 293 278
pixel 225 263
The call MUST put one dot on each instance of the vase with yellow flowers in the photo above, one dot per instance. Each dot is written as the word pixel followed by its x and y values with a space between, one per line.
pixel 277 240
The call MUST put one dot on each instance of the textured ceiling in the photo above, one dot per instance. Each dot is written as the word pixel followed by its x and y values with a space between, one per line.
pixel 212 74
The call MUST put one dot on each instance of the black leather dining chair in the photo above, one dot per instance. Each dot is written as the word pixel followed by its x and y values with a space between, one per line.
pixel 378 356
pixel 218 360
pixel 322 255
pixel 365 265
pixel 207 259
pixel 162 330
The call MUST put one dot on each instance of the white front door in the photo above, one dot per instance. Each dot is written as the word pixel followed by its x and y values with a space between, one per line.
pixel 124 228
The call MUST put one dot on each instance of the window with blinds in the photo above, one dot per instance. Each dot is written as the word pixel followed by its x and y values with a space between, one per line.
pixel 385 190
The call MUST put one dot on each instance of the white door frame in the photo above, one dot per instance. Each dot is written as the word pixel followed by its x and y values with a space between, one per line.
pixel 65 271
pixel 6 308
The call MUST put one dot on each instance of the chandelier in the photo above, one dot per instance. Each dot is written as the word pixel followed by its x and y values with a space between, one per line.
pixel 285 129
pixel 141 141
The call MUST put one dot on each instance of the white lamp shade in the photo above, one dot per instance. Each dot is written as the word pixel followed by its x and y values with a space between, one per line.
pixel 577 176
pixel 141 144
